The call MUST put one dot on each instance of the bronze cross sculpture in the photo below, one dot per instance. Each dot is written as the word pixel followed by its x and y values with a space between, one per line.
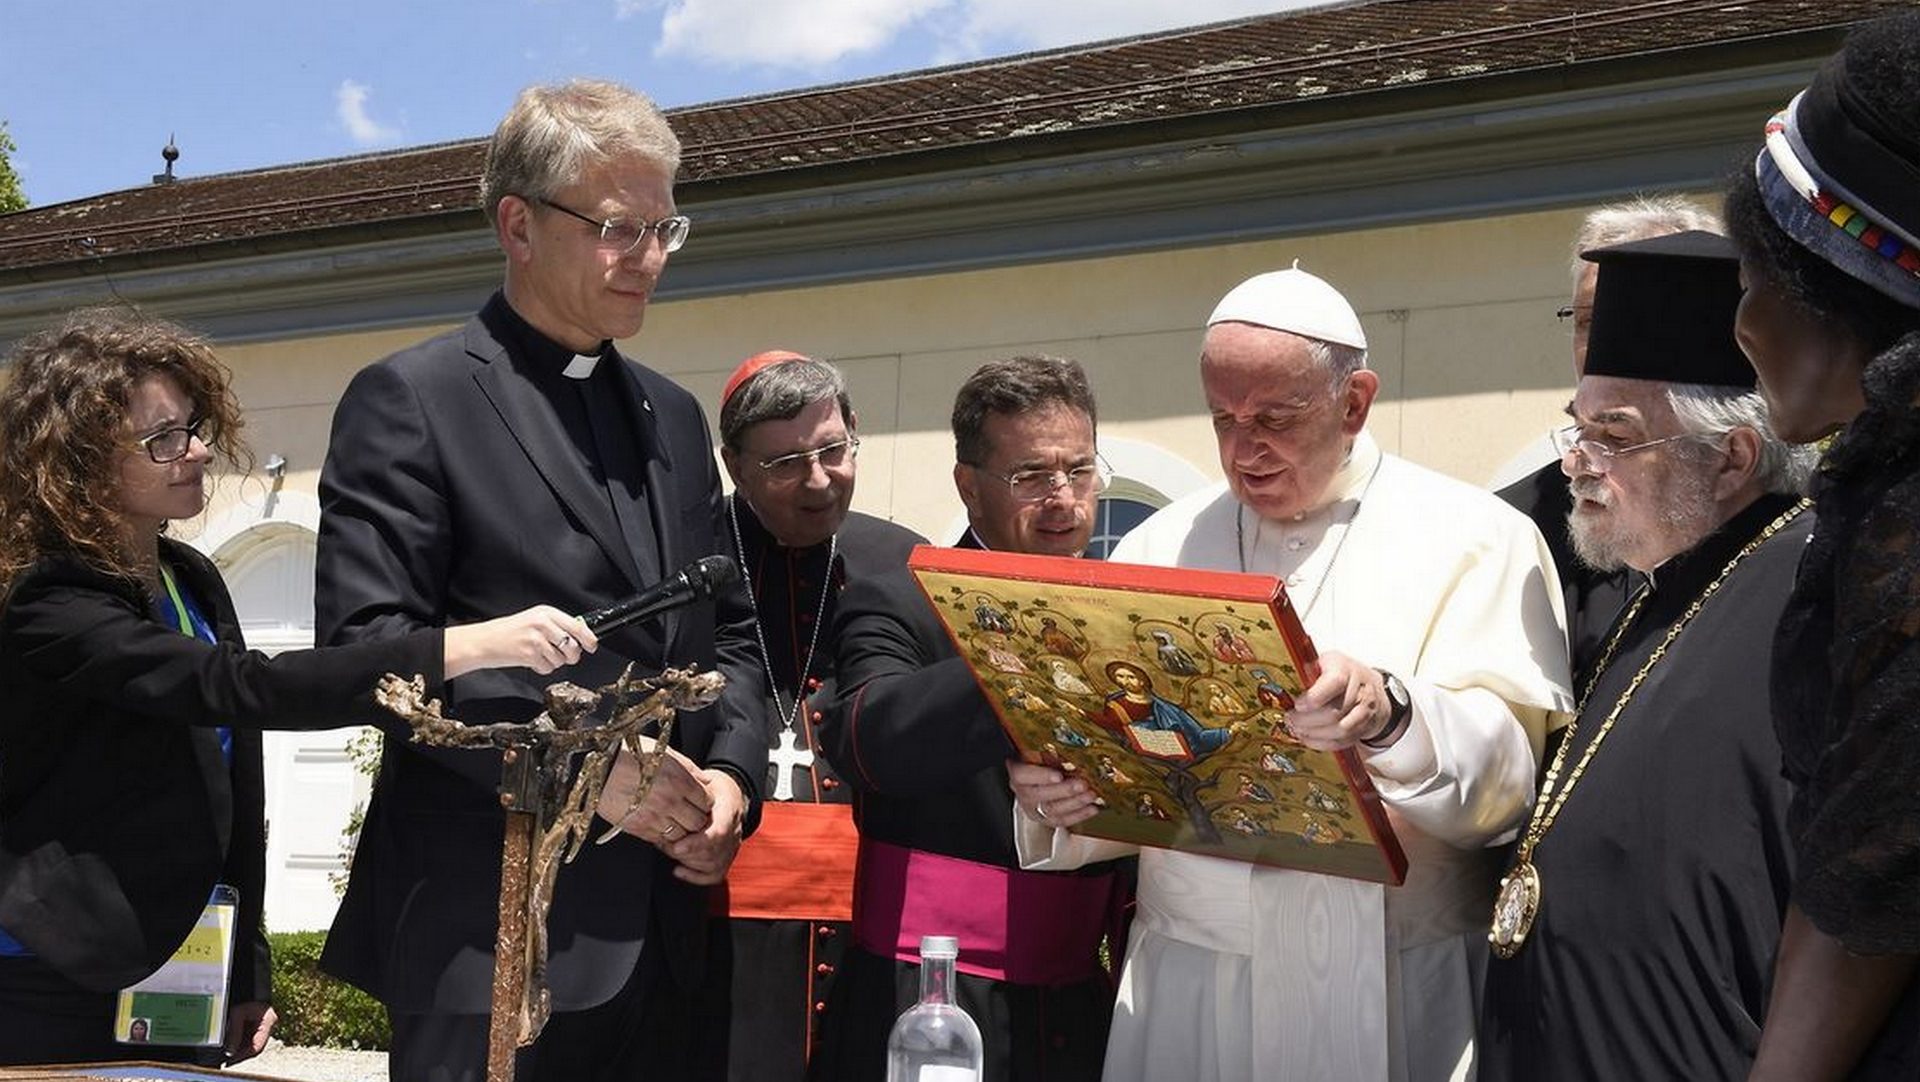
pixel 547 815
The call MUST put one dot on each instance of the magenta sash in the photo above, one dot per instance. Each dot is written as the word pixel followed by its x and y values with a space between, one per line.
pixel 1040 928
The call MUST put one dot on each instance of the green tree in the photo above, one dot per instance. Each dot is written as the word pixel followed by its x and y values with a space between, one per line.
pixel 12 198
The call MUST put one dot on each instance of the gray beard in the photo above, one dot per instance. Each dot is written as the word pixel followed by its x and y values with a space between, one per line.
pixel 1685 514
pixel 1596 552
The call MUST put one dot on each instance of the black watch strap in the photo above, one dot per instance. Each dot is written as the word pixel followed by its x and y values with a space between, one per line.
pixel 1401 709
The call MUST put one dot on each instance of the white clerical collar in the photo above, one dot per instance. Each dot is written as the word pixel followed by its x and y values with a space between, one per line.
pixel 581 366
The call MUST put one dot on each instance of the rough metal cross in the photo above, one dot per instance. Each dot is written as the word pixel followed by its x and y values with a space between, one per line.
pixel 550 808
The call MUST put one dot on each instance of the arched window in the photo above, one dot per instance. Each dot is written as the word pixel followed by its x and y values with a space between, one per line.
pixel 269 572
pixel 1126 505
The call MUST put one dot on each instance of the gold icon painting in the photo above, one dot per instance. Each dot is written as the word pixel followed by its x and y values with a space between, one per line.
pixel 1168 691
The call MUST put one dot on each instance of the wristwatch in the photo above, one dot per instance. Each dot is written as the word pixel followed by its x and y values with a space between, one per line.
pixel 1400 709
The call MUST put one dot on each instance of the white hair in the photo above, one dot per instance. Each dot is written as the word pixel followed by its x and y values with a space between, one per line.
pixel 1711 411
pixel 1339 361
pixel 1639 218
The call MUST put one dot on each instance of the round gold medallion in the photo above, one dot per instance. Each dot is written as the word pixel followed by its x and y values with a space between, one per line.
pixel 1514 910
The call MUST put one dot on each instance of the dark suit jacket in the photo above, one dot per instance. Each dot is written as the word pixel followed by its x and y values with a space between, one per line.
pixel 118 813
pixel 454 492
pixel 908 727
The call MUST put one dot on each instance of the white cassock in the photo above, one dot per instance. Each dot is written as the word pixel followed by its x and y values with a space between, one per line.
pixel 1235 971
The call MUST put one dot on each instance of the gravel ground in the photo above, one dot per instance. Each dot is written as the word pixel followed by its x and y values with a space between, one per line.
pixel 282 1061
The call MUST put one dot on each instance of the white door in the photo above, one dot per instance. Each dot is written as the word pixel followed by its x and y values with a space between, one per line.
pixel 312 785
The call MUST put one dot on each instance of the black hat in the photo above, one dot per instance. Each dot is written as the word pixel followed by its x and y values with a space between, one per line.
pixel 1663 310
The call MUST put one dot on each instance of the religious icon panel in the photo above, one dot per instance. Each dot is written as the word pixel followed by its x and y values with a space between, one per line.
pixel 1168 690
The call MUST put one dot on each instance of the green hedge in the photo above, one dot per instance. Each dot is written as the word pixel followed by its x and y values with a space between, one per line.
pixel 316 1010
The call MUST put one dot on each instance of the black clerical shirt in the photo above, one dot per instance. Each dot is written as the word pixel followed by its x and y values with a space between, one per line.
pixel 601 427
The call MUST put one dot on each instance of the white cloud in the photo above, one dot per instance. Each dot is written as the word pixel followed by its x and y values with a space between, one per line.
pixel 350 105
pixel 807 33
pixel 784 33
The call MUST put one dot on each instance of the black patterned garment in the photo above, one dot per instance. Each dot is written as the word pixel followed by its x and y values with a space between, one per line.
pixel 1846 690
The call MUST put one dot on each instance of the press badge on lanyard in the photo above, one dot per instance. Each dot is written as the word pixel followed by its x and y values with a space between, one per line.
pixel 185 1001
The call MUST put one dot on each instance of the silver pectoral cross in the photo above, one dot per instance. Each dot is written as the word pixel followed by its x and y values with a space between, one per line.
pixel 784 758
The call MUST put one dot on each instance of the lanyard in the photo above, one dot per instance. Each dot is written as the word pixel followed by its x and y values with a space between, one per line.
pixel 187 619
pixel 194 625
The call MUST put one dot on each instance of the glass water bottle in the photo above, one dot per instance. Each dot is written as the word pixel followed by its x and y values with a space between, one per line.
pixel 935 1041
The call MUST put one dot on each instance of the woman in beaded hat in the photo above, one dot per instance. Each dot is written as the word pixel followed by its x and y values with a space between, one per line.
pixel 1828 227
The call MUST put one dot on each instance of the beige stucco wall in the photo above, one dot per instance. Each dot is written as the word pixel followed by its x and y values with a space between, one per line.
pixel 1460 316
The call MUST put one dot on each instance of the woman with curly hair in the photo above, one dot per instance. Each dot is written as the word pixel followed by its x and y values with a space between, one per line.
pixel 1828 226
pixel 130 765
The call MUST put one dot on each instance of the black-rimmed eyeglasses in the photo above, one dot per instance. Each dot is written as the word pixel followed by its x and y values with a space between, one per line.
pixel 172 444
pixel 1033 486
pixel 794 467
pixel 626 234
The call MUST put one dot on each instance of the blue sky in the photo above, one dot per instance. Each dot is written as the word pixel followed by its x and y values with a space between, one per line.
pixel 90 90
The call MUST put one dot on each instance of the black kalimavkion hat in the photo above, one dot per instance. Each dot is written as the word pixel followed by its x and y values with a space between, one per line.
pixel 1663 310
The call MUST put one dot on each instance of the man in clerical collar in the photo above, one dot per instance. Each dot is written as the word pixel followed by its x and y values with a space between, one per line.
pixel 1655 869
pixel 910 729
pixel 1593 596
pixel 523 458
pixel 788 441
pixel 1025 462
pixel 1442 658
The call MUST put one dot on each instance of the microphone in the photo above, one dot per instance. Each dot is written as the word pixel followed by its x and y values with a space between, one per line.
pixel 697 581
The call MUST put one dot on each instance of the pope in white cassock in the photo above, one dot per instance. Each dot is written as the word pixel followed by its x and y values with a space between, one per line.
pixel 1438 617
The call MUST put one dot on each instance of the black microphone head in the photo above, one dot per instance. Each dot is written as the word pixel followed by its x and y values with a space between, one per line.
pixel 710 573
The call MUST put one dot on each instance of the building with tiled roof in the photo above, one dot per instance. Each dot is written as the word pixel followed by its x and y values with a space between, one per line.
pixel 1406 110
pixel 1430 157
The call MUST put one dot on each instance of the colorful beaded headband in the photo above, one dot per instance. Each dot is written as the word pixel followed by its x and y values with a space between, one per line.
pixel 1843 216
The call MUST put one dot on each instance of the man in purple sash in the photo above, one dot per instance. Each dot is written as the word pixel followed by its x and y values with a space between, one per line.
pixel 910 731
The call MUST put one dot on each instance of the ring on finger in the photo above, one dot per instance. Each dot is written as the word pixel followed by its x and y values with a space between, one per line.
pixel 667 832
pixel 1042 809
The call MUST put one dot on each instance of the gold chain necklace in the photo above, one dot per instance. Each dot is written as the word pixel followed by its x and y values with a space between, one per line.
pixel 1518 903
